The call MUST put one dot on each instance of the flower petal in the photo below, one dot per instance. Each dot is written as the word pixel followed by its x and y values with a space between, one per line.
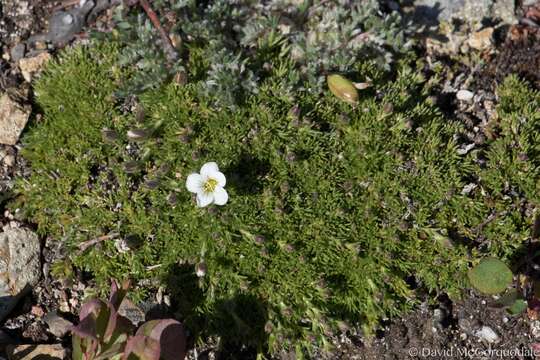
pixel 204 199
pixel 219 177
pixel 220 196
pixel 194 183
pixel 209 168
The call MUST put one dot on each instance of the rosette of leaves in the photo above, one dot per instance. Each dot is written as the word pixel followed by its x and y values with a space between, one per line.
pixel 104 334
pixel 243 41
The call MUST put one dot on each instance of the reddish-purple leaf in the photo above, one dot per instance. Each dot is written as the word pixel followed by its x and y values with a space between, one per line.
pixel 102 321
pixel 111 323
pixel 118 293
pixel 142 346
pixel 170 335
pixel 86 328
pixel 92 306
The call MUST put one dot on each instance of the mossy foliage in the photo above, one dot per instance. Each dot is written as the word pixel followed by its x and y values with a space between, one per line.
pixel 336 213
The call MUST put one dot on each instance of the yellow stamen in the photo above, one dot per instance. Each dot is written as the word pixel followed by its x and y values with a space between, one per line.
pixel 210 185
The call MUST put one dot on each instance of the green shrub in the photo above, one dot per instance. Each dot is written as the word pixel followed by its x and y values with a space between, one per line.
pixel 337 214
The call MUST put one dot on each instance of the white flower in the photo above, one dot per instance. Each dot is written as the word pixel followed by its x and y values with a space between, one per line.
pixel 208 185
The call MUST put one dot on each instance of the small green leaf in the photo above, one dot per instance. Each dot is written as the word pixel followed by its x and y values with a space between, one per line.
pixel 490 276
pixel 518 307
pixel 123 25
pixel 76 345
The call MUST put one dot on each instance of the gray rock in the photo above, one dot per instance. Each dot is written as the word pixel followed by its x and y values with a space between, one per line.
pixel 132 312
pixel 13 119
pixel 58 326
pixel 9 160
pixel 535 329
pixel 17 52
pixel 467 324
pixel 465 95
pixel 20 266
pixel 470 11
pixel 63 26
pixel 486 333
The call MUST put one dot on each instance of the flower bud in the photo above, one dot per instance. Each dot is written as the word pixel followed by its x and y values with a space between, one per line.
pixel 342 88
pixel 109 135
pixel 138 134
pixel 200 269
pixel 131 167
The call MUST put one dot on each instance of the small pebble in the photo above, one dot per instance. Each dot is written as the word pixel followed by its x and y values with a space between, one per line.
pixel 464 95
pixel 9 160
pixel 37 311
pixel 58 326
pixel 488 334
pixel 122 246
pixel 18 51
pixel 465 149
pixel 535 329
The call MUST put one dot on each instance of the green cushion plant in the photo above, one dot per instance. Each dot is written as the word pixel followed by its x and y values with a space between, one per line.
pixel 337 214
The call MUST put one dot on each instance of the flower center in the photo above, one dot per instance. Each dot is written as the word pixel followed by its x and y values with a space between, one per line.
pixel 210 185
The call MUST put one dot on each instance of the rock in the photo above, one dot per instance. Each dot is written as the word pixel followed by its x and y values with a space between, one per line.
pixel 472 12
pixel 17 52
pixel 58 326
pixel 451 44
pixel 9 160
pixel 13 119
pixel 131 311
pixel 465 148
pixel 19 266
pixel 35 331
pixel 468 188
pixel 32 65
pixel 37 311
pixel 482 39
pixel 467 325
pixel 28 352
pixel 535 329
pixel 64 25
pixel 505 10
pixel 487 334
pixel 465 95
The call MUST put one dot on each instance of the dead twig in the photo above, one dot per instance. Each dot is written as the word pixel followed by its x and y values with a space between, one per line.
pixel 85 245
pixel 170 52
pixel 66 4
